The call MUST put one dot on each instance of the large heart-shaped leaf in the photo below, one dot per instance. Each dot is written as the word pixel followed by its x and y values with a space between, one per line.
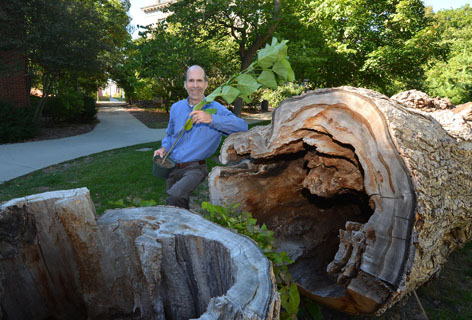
pixel 267 79
pixel 216 93
pixel 267 56
pixel 247 84
pixel 229 93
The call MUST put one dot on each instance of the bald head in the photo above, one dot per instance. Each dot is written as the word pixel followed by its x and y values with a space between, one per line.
pixel 195 84
pixel 196 67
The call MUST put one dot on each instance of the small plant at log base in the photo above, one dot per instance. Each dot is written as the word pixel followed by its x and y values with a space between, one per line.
pixel 244 223
pixel 270 69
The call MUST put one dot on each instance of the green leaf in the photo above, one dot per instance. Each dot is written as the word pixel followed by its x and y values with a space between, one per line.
pixel 229 93
pixel 282 68
pixel 216 93
pixel 294 299
pixel 188 125
pixel 247 85
pixel 267 56
pixel 282 50
pixel 210 110
pixel 267 79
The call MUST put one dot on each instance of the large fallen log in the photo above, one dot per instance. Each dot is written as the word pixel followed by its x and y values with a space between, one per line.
pixel 57 261
pixel 367 196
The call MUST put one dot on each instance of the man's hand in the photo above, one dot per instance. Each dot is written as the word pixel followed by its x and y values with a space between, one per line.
pixel 199 116
pixel 160 152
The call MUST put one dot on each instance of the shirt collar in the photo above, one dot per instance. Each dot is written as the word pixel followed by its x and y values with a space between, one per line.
pixel 191 107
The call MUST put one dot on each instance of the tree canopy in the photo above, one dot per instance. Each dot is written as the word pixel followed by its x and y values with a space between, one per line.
pixel 65 40
pixel 451 72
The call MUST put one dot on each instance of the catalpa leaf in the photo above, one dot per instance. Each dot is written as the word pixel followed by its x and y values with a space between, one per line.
pixel 229 93
pixel 188 125
pixel 216 93
pixel 267 56
pixel 282 68
pixel 282 50
pixel 210 110
pixel 247 84
pixel 267 79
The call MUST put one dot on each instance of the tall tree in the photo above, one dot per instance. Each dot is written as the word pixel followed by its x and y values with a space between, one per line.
pixel 250 23
pixel 451 73
pixel 64 38
pixel 380 44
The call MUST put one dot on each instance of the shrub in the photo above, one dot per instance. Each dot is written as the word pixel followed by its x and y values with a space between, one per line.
pixel 66 106
pixel 89 113
pixel 16 124
pixel 275 97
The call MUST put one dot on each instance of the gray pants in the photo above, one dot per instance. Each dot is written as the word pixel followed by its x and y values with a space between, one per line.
pixel 182 181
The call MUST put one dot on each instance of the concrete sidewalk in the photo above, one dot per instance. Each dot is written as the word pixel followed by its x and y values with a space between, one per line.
pixel 117 129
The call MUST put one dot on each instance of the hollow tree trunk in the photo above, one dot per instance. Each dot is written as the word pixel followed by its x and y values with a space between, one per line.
pixel 58 262
pixel 367 196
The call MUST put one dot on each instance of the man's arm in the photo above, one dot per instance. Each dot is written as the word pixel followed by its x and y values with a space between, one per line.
pixel 225 121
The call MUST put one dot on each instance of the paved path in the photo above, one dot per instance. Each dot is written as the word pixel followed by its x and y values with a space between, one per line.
pixel 117 129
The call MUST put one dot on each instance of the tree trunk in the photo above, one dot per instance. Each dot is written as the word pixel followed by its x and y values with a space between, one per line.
pixel 58 261
pixel 367 196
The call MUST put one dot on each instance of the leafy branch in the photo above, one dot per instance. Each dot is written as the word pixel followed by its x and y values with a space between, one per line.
pixel 270 69
pixel 244 223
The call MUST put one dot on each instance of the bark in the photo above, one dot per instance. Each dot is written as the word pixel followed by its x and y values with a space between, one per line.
pixel 367 196
pixel 58 261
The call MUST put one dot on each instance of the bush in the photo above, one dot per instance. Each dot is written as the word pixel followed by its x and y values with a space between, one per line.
pixel 67 106
pixel 16 124
pixel 90 110
pixel 275 97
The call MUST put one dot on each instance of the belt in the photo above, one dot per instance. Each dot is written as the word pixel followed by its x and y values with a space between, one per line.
pixel 185 164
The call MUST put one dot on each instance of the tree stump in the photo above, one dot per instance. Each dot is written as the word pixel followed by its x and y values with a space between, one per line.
pixel 367 196
pixel 59 262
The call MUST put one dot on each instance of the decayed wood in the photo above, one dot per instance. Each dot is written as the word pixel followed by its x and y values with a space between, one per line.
pixel 368 196
pixel 59 261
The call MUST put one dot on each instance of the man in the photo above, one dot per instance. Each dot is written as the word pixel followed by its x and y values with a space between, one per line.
pixel 197 144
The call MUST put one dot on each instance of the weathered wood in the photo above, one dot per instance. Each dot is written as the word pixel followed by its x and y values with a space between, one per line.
pixel 368 196
pixel 57 260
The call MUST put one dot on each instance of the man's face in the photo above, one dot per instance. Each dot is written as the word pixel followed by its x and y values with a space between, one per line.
pixel 195 85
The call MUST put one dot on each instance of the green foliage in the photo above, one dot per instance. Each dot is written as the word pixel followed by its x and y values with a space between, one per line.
pixel 16 124
pixel 89 114
pixel 451 73
pixel 60 39
pixel 244 223
pixel 70 106
pixel 382 45
pixel 275 97
pixel 67 106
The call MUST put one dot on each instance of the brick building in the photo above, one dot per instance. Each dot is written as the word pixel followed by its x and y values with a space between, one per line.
pixel 13 80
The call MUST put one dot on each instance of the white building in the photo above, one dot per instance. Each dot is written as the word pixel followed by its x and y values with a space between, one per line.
pixel 153 12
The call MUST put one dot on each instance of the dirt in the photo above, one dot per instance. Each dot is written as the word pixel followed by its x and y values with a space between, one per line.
pixel 63 131
pixel 148 117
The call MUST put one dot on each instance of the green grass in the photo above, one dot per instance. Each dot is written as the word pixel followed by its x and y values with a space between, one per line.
pixel 110 176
